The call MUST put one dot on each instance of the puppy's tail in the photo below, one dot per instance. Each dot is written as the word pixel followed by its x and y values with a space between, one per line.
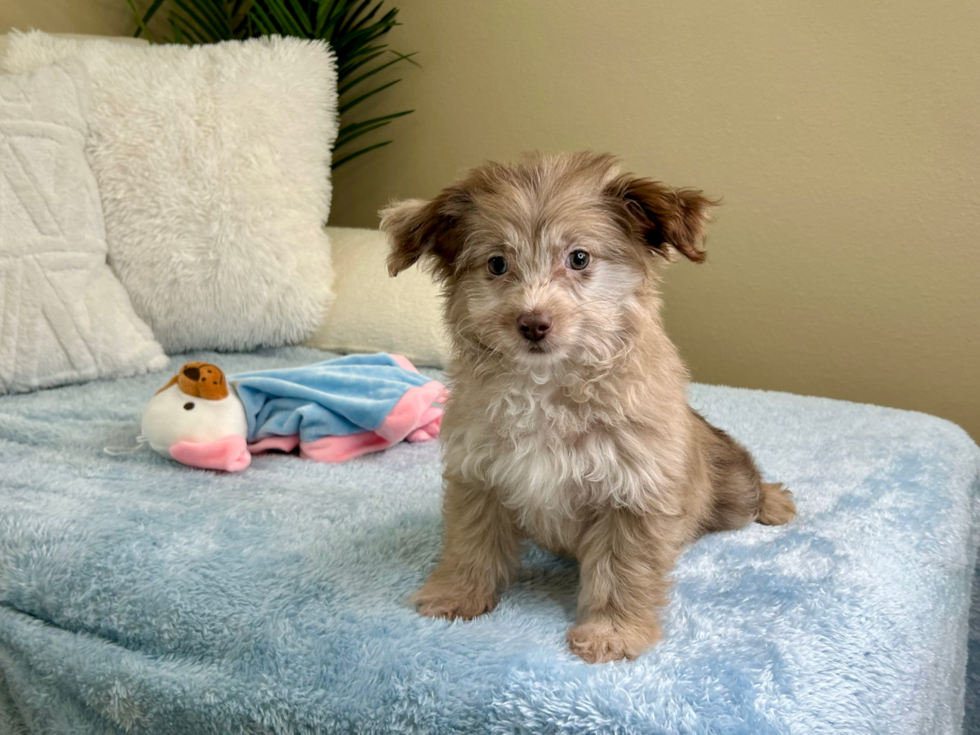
pixel 777 505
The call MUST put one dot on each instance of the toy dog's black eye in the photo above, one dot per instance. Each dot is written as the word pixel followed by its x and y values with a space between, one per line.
pixel 497 266
pixel 188 406
pixel 578 260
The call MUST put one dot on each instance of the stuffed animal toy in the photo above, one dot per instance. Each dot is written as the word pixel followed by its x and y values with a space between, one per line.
pixel 331 411
pixel 197 421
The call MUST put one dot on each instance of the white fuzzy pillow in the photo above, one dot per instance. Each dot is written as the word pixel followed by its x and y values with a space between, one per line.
pixel 214 168
pixel 63 315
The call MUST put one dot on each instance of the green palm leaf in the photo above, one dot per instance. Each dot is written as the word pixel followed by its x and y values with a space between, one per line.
pixel 204 25
pixel 300 13
pixel 353 28
pixel 287 23
pixel 355 154
pixel 354 82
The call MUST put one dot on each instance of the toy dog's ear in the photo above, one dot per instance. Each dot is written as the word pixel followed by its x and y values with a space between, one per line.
pixel 418 228
pixel 202 380
pixel 660 216
pixel 212 384
pixel 173 380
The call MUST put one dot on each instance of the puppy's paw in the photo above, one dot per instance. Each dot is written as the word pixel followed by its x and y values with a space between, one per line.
pixel 599 641
pixel 777 505
pixel 437 599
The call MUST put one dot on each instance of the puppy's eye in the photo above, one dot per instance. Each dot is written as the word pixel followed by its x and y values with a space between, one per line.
pixel 578 260
pixel 497 265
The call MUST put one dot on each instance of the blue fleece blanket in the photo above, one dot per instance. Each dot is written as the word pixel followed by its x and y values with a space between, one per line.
pixel 339 397
pixel 138 595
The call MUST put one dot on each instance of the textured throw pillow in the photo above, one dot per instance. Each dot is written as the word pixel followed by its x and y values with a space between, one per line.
pixel 63 315
pixel 374 312
pixel 214 167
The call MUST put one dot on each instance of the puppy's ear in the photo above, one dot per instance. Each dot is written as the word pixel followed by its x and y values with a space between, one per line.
pixel 417 228
pixel 661 216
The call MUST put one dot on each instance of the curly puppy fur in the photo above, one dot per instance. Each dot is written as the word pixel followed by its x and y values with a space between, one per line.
pixel 568 421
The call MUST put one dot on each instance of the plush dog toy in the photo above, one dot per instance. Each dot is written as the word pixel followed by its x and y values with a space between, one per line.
pixel 196 420
pixel 331 411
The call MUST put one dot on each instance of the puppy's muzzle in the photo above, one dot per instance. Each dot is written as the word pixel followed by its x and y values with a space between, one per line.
pixel 534 325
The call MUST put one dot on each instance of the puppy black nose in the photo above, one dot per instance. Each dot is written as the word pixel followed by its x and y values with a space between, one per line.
pixel 534 325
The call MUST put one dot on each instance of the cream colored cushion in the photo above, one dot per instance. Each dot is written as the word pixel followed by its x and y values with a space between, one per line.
pixel 376 313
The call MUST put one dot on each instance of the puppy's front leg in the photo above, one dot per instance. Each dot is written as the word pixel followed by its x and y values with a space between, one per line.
pixel 480 552
pixel 624 561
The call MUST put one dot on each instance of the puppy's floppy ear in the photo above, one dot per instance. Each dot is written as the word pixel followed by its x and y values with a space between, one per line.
pixel 661 216
pixel 417 228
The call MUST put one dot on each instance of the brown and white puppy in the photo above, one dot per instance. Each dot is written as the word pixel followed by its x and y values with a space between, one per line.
pixel 568 421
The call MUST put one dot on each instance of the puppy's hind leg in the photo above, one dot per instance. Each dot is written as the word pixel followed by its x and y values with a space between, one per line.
pixel 777 505
pixel 739 496
pixel 480 553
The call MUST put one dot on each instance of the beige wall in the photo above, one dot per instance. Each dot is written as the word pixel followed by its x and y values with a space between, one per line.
pixel 843 136
pixel 96 17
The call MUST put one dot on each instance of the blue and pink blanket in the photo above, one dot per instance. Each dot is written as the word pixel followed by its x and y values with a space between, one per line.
pixel 339 409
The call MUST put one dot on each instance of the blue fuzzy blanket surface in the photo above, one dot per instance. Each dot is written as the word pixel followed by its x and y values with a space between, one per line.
pixel 141 596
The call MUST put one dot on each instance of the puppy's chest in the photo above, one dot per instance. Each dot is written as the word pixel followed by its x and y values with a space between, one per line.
pixel 541 477
pixel 547 462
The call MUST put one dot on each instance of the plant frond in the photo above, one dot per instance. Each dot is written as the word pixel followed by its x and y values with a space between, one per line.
pixel 354 82
pixel 355 154
pixel 204 28
pixel 287 23
pixel 143 22
pixel 358 100
pixel 353 28
pixel 349 127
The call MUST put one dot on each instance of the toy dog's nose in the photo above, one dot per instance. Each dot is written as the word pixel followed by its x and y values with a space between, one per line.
pixel 534 325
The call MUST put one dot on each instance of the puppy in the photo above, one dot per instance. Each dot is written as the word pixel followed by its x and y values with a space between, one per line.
pixel 568 421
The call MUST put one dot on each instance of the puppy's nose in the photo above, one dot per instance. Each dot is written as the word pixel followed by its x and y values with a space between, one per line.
pixel 534 325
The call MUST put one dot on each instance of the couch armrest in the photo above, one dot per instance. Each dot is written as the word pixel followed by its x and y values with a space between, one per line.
pixel 375 313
